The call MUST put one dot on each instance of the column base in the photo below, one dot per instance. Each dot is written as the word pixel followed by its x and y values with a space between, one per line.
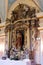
pixel 31 55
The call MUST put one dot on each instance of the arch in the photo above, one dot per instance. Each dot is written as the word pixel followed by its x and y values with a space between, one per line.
pixel 27 2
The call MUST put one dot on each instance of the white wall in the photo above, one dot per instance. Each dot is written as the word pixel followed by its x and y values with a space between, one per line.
pixel 41 34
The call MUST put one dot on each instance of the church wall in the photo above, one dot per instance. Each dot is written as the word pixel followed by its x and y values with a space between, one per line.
pixel 40 14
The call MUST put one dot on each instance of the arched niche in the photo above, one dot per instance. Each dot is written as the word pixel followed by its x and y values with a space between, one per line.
pixel 24 29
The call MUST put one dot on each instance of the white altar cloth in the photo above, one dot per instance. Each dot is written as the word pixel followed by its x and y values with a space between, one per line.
pixel 15 62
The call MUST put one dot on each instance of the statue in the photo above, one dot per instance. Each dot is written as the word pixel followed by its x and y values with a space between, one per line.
pixel 19 41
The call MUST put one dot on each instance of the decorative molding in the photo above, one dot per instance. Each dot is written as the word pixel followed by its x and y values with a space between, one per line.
pixel 40 28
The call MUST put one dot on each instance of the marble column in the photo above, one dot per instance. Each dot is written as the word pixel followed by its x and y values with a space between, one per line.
pixel 28 39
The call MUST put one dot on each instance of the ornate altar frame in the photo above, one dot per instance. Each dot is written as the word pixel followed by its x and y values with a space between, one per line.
pixel 23 18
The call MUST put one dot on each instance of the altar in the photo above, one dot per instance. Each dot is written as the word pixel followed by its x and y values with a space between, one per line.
pixel 15 62
pixel 22 36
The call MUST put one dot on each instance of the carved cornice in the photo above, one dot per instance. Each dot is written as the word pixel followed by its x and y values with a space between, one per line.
pixel 22 13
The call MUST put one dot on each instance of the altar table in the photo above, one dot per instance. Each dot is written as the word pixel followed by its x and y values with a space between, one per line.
pixel 15 62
